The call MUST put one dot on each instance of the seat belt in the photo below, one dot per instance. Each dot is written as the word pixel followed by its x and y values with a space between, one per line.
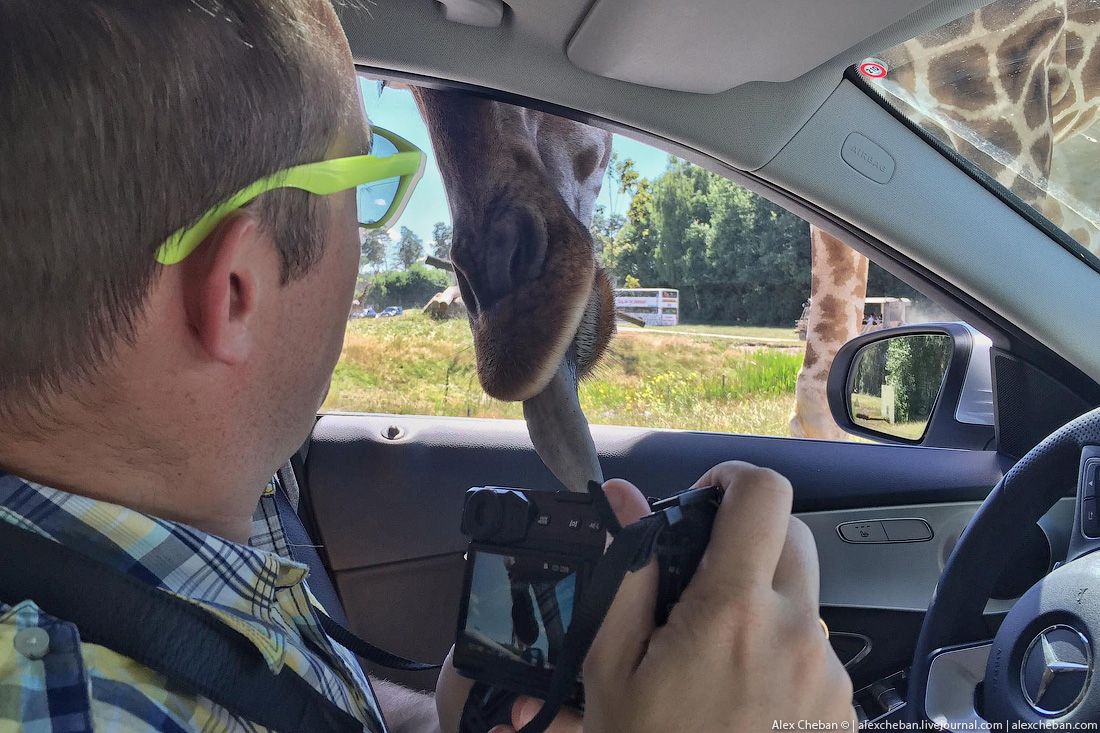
pixel 333 620
pixel 174 637
pixel 302 546
pixel 217 662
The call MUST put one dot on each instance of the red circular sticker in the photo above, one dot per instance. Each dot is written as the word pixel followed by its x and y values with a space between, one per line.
pixel 873 69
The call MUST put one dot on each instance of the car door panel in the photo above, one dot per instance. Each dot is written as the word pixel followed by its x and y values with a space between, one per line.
pixel 387 511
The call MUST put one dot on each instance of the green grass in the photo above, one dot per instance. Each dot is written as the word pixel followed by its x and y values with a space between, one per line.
pixel 745 332
pixel 868 410
pixel 414 365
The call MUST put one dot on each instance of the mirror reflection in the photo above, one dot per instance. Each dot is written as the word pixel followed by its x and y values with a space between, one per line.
pixel 894 383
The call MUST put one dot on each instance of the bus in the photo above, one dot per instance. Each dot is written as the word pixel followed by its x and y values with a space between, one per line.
pixel 653 306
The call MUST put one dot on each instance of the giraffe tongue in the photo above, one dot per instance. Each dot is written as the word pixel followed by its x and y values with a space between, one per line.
pixel 560 432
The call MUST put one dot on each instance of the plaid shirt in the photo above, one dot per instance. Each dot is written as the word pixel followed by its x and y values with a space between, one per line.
pixel 255 590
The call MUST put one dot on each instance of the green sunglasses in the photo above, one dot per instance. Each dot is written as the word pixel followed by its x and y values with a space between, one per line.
pixel 384 180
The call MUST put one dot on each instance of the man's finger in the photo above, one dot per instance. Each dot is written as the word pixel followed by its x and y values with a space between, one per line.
pixel 796 576
pixel 451 691
pixel 749 531
pixel 629 622
pixel 524 709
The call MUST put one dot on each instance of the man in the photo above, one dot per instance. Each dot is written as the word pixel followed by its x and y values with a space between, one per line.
pixel 154 374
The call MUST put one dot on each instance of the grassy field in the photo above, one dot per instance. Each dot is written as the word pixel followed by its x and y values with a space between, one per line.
pixel 747 333
pixel 868 412
pixel 414 365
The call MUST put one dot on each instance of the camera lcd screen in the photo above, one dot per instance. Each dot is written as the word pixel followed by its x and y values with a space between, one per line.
pixel 519 607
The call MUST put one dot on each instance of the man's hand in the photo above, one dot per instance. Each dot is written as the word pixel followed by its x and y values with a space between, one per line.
pixel 743 647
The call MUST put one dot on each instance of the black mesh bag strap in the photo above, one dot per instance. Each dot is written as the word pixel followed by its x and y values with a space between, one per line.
pixel 369 651
pixel 167 634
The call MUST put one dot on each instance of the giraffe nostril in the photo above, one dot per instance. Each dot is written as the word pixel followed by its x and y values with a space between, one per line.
pixel 514 253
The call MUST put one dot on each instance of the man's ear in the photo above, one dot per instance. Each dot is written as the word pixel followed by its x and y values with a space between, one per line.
pixel 225 284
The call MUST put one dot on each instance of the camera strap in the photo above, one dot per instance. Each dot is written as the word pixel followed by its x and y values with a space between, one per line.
pixel 630 550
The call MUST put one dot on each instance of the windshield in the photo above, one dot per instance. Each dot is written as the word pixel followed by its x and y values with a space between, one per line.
pixel 1014 89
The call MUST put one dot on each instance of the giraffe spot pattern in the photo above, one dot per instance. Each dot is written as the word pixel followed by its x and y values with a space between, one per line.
pixel 831 328
pixel 585 163
pixel 1081 236
pixel 1087 13
pixel 970 153
pixel 838 252
pixel 951 31
pixel 962 78
pixel 1000 15
pixel 937 132
pixel 1025 189
pixel 1017 54
pixel 811 356
pixel 1036 111
pixel 1040 152
pixel 1075 49
pixel 1053 212
pixel 1090 72
pixel 1065 97
pixel 900 64
pixel 1003 135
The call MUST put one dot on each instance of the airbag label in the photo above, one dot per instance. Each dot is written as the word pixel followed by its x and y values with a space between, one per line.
pixel 867 158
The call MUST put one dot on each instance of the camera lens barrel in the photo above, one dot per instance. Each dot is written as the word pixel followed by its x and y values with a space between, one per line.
pixel 496 515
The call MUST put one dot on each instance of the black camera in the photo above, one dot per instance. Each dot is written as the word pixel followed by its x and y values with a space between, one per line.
pixel 531 557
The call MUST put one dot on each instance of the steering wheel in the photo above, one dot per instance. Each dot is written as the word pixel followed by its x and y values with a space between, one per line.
pixel 1038 665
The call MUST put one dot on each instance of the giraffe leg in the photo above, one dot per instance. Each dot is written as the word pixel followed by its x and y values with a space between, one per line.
pixel 837 291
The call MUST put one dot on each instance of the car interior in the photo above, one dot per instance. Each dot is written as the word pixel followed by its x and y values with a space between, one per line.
pixel 764 93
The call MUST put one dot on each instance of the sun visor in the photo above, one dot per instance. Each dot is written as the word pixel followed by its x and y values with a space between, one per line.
pixel 710 46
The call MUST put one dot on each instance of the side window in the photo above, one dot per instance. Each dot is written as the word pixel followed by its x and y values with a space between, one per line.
pixel 711 287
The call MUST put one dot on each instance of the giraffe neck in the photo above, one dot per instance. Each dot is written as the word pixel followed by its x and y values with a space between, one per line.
pixel 838 287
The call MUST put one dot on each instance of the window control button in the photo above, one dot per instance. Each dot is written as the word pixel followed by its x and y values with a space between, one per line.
pixel 862 532
pixel 1090 518
pixel 907 530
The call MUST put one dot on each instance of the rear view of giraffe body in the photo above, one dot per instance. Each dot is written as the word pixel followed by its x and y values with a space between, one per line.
pixel 1008 87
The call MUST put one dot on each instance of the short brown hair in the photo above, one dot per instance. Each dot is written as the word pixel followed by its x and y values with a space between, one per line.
pixel 122 120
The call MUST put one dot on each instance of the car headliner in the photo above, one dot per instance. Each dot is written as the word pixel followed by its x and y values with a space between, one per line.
pixel 779 137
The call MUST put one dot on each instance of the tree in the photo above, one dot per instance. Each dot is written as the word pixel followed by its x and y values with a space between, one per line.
pixel 410 247
pixel 373 245
pixel 631 282
pixel 915 365
pixel 410 288
pixel 441 240
pixel 604 228
pixel 622 178
pixel 631 250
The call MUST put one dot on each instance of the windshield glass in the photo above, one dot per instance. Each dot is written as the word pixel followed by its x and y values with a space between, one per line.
pixel 1014 88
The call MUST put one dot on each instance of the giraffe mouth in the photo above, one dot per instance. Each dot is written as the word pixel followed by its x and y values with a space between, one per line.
pixel 555 421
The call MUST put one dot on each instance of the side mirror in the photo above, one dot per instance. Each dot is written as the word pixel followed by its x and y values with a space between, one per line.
pixel 925 384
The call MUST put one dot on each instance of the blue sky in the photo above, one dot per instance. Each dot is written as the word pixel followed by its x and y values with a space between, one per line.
pixel 395 110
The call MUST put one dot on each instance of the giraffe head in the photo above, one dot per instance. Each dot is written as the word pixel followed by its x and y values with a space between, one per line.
pixel 522 186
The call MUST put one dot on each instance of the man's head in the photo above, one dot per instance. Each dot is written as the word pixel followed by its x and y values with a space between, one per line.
pixel 120 122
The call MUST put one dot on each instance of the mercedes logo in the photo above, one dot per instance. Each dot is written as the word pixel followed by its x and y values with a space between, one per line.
pixel 1056 669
